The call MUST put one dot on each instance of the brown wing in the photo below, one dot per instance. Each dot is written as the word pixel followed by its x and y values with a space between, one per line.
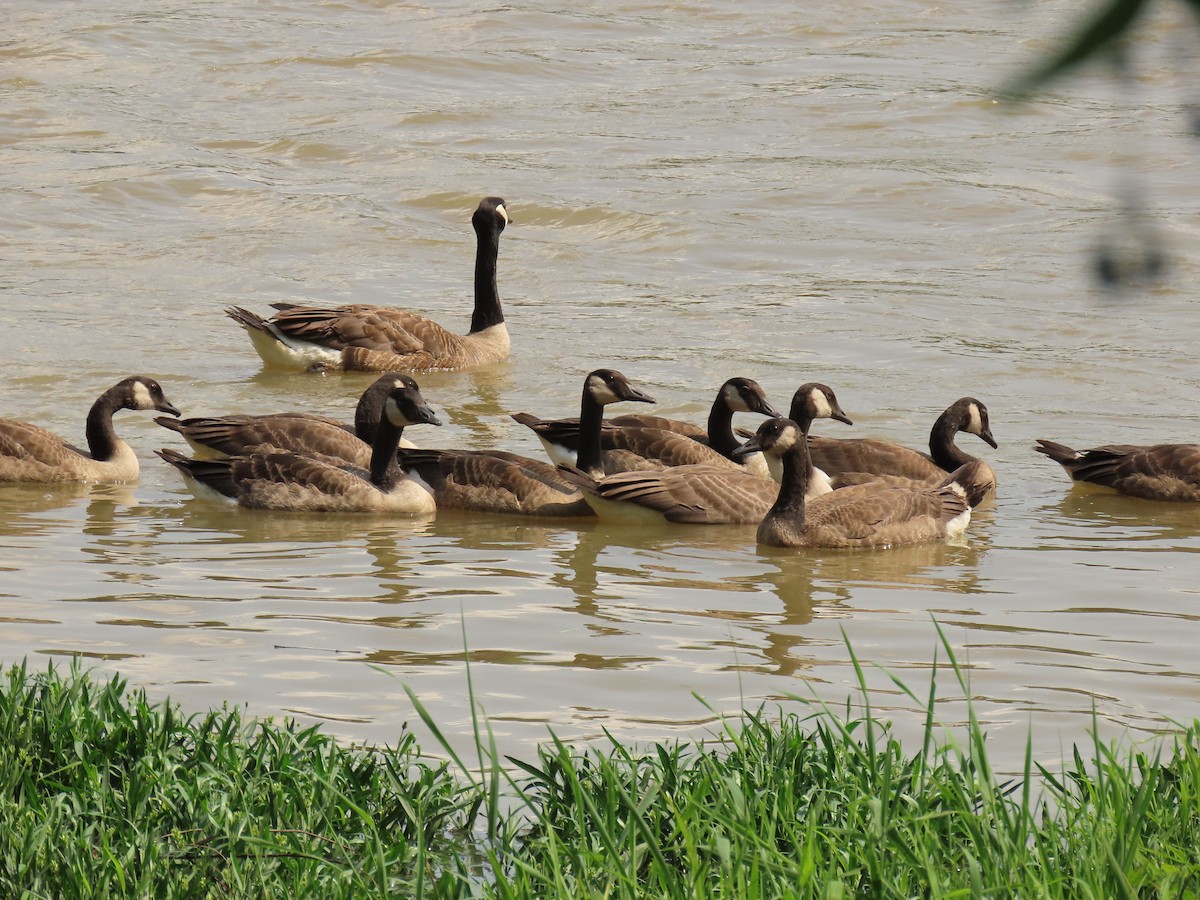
pixel 368 327
pixel 489 482
pixel 1158 472
pixel 665 447
pixel 638 420
pixel 298 433
pixel 695 494
pixel 32 453
pixel 874 516
pixel 834 456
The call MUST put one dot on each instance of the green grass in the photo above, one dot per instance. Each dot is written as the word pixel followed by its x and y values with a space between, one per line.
pixel 105 794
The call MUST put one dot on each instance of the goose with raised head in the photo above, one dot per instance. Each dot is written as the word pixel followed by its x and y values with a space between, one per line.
pixel 855 517
pixel 30 453
pixel 601 388
pixel 283 480
pixel 703 495
pixel 362 337
pixel 856 460
pixel 299 432
pixel 1154 472
pixel 670 442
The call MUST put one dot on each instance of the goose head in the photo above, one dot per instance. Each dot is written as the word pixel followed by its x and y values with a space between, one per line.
pixel 973 419
pixel 140 392
pixel 605 386
pixel 775 437
pixel 405 406
pixel 490 216
pixel 816 401
pixel 746 395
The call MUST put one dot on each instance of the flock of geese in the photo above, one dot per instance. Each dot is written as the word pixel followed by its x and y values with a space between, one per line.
pixel 801 489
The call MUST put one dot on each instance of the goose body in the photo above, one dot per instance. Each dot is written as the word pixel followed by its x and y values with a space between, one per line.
pixel 304 433
pixel 867 516
pixel 581 443
pixel 282 480
pixel 1154 472
pixel 852 461
pixel 703 495
pixel 29 453
pixel 363 337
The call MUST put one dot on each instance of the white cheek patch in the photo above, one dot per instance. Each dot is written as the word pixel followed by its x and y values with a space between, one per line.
pixel 785 441
pixel 391 409
pixel 601 392
pixel 733 399
pixel 503 213
pixel 821 407
pixel 141 396
pixel 974 420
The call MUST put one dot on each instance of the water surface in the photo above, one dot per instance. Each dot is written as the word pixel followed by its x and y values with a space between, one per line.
pixel 701 190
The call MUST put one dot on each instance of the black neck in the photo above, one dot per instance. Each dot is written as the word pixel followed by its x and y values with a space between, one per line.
pixel 796 468
pixel 101 436
pixel 720 429
pixel 591 420
pixel 385 470
pixel 369 411
pixel 942 448
pixel 487 296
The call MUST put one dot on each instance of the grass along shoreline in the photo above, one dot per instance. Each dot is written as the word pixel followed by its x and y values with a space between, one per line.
pixel 106 794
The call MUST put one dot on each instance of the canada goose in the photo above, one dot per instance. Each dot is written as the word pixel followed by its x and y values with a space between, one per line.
pixel 670 442
pixel 702 495
pixel 493 481
pixel 1155 472
pixel 381 339
pixel 305 433
pixel 601 388
pixel 854 460
pixel 866 516
pixel 30 453
pixel 293 481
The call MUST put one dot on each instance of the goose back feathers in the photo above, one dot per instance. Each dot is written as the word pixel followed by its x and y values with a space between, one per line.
pixel 363 337
pixel 493 481
pixel 1154 472
pixel 33 454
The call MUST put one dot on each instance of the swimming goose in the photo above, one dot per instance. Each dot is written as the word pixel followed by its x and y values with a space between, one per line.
pixel 865 516
pixel 30 453
pixel 702 495
pixel 298 432
pixel 1155 472
pixel 493 481
pixel 293 481
pixel 363 337
pixel 601 388
pixel 855 460
pixel 670 442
